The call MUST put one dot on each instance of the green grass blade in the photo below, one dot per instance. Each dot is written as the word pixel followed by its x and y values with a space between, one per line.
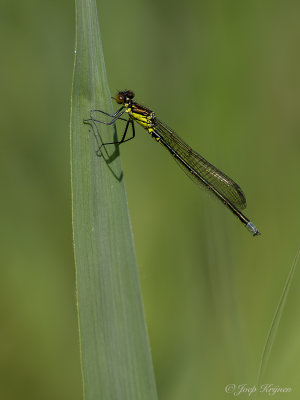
pixel 115 353
pixel 276 320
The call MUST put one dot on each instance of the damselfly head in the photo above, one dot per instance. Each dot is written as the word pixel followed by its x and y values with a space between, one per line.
pixel 124 97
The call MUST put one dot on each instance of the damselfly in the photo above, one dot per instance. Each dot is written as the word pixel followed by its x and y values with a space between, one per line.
pixel 194 165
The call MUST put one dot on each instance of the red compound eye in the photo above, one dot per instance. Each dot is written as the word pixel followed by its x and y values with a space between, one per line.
pixel 120 98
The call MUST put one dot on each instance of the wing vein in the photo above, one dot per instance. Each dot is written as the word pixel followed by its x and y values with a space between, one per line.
pixel 220 181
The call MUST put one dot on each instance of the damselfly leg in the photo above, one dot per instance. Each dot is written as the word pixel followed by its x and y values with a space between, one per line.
pixel 116 116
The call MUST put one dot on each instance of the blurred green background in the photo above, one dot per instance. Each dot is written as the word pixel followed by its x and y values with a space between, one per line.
pixel 225 76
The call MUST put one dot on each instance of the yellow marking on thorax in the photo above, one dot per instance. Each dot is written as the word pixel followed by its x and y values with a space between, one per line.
pixel 143 120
